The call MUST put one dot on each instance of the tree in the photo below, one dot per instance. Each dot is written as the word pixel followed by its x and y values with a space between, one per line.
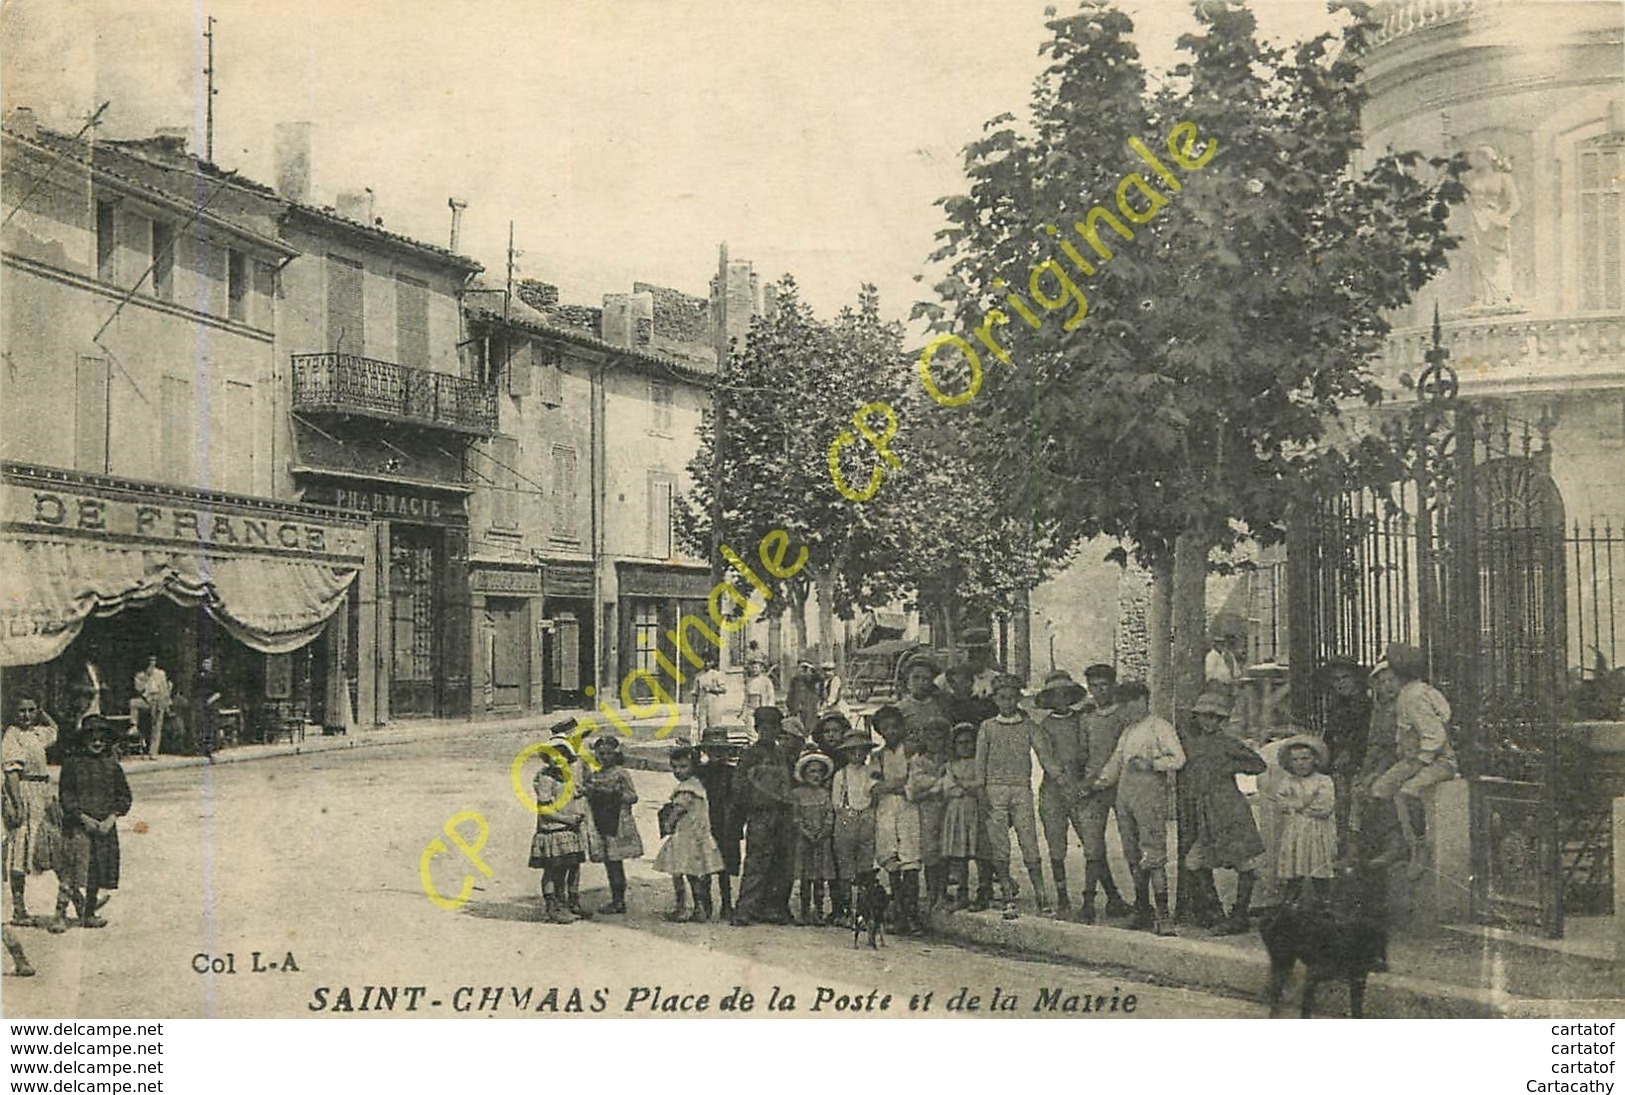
pixel 1223 319
pixel 783 395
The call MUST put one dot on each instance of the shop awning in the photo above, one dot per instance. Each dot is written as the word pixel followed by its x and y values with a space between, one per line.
pixel 77 546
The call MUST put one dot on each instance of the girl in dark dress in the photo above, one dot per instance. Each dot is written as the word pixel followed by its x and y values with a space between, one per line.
pixel 94 794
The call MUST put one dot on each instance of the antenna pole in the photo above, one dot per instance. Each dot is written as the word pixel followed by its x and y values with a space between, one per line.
pixel 208 101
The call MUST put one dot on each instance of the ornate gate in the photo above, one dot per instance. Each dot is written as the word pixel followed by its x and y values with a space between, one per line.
pixel 1462 556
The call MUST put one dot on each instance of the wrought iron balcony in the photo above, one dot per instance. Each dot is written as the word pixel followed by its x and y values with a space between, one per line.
pixel 346 384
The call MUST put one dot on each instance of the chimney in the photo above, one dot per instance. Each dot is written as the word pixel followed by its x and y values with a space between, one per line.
pixel 292 144
pixel 24 124
pixel 172 137
pixel 356 205
pixel 457 206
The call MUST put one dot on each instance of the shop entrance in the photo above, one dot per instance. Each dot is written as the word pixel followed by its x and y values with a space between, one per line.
pixel 414 564
pixel 510 651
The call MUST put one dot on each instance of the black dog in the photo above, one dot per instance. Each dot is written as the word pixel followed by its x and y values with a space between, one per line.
pixel 1339 942
pixel 869 912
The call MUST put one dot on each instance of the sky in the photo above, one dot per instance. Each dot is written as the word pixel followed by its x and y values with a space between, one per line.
pixel 625 139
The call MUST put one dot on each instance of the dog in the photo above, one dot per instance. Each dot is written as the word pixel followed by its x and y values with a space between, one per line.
pixel 1344 941
pixel 869 913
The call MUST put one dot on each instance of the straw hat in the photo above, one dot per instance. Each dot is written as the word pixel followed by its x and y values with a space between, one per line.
pixel 1060 690
pixel 856 739
pixel 808 760
pixel 1321 752
pixel 1212 703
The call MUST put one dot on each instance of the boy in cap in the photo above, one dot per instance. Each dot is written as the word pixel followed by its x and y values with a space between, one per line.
pixel 1102 726
pixel 1061 799
pixel 1146 755
pixel 1004 761
pixel 852 794
pixel 1422 740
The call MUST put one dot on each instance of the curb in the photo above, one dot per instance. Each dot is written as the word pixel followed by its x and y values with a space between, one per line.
pixel 1233 969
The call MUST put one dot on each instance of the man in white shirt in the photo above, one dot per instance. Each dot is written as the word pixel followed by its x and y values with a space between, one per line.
pixel 153 694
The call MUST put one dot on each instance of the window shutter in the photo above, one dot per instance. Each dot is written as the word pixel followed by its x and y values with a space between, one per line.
pixel 346 331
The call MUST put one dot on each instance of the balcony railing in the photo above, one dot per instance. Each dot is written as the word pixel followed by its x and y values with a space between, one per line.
pixel 346 384
pixel 1516 350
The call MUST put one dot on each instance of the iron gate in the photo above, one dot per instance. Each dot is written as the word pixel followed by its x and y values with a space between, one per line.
pixel 1463 556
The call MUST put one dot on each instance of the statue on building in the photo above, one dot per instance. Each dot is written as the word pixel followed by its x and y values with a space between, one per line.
pixel 1492 202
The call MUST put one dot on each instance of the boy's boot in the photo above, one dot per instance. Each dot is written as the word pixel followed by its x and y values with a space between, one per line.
pixel 1143 918
pixel 87 911
pixel 899 916
pixel 617 889
pixel 818 904
pixel 19 907
pixel 1063 900
pixel 1164 924
pixel 1115 905
pixel 838 906
pixel 1091 882
pixel 910 917
pixel 702 896
pixel 1237 923
pixel 936 886
pixel 725 885
pixel 806 903
pixel 1035 872
pixel 59 922
pixel 984 885
pixel 18 958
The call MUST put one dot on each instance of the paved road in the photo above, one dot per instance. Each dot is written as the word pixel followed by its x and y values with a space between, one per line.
pixel 317 858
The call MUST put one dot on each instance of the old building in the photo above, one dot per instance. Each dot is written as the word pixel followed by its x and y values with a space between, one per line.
pixel 575 496
pixel 143 404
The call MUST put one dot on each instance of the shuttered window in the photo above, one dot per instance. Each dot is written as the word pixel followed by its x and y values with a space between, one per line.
pixel 566 511
pixel 346 318
pixel 179 428
pixel 412 322
pixel 1602 226
pixel 90 415
pixel 662 494
pixel 504 475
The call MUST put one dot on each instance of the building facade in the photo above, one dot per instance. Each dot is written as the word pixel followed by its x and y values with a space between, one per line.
pixel 142 400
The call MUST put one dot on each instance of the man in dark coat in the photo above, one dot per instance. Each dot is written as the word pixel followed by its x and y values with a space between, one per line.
pixel 762 787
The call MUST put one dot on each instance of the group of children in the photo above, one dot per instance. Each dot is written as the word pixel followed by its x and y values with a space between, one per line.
pixel 934 796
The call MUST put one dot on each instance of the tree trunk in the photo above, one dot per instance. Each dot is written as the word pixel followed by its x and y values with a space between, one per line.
pixel 799 614
pixel 1159 637
pixel 1021 654
pixel 826 621
pixel 1188 618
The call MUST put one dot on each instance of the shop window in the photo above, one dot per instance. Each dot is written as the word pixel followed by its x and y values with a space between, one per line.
pixel 107 240
pixel 90 415
pixel 411 586
pixel 237 285
pixel 345 314
pixel 1602 225
pixel 646 634
pixel 163 260
pixel 662 495
pixel 412 322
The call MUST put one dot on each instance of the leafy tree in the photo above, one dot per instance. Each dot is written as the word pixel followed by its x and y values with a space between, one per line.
pixel 795 384
pixel 1219 342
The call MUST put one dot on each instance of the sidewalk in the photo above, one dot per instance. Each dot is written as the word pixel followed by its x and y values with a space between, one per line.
pixel 643 752
pixel 1460 974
